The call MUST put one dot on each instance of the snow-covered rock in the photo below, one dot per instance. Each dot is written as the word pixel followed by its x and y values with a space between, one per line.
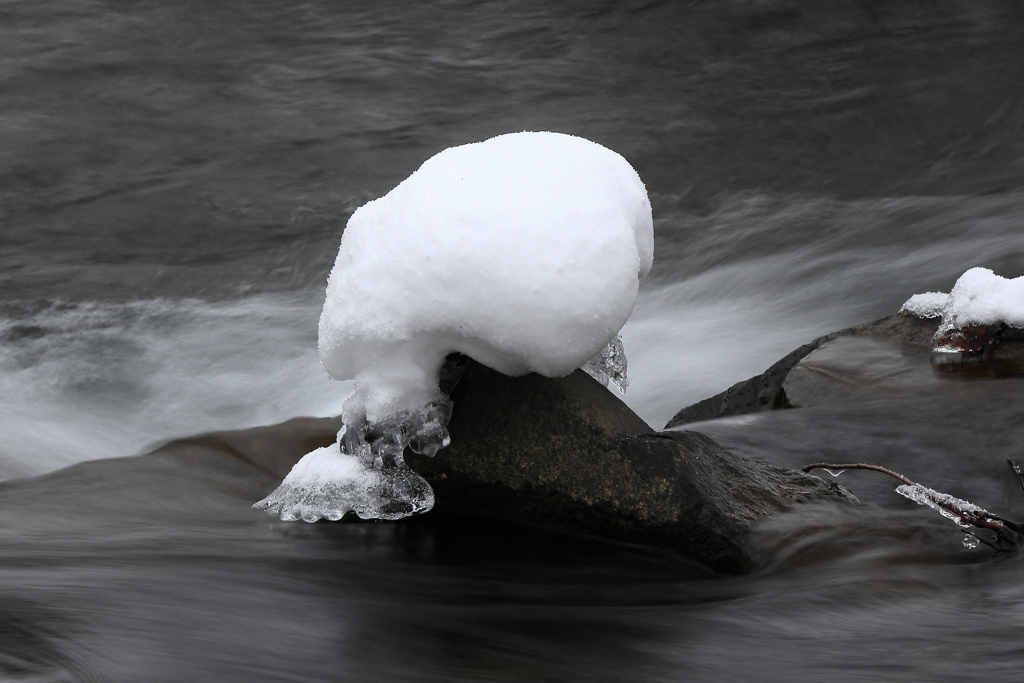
pixel 979 299
pixel 524 252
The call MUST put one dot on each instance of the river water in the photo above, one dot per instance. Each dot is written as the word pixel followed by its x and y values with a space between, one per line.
pixel 174 179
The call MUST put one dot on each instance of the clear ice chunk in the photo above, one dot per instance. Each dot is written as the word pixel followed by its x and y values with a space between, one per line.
pixel 922 495
pixel 365 471
pixel 609 364
pixel 971 542
pixel 328 484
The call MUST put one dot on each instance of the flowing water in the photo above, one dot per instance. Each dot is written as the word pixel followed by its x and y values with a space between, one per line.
pixel 174 180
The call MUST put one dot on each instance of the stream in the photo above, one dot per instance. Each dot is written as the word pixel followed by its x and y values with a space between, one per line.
pixel 174 182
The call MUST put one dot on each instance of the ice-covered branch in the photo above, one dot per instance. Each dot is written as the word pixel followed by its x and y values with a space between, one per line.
pixel 1009 535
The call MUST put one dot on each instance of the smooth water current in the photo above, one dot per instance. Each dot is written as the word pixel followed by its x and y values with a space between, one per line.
pixel 174 179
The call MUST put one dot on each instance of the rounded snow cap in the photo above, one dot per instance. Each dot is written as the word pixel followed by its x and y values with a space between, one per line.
pixel 524 252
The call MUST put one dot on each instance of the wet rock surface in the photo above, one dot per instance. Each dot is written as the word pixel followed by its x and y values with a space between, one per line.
pixel 566 454
pixel 161 554
pixel 761 392
pixel 848 364
pixel 835 364
pixel 213 475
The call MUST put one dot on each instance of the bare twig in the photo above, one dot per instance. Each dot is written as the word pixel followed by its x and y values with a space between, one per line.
pixel 858 466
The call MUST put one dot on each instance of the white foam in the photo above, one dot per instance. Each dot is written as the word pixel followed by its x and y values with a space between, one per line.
pixel 95 380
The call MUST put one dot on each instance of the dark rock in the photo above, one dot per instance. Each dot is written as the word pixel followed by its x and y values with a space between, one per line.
pixel 851 363
pixel 900 327
pixel 1007 343
pixel 767 391
pixel 828 368
pixel 567 454
pixel 762 392
pixel 893 356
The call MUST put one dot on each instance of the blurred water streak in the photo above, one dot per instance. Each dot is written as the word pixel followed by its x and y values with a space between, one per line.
pixel 174 180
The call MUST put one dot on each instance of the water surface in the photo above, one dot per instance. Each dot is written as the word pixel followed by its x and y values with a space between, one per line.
pixel 174 179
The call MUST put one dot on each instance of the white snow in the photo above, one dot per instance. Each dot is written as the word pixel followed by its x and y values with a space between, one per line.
pixel 524 252
pixel 979 297
pixel 927 305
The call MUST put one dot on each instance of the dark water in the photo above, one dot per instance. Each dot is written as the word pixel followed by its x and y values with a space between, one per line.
pixel 173 182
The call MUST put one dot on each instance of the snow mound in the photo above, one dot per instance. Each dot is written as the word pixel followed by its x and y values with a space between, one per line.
pixel 980 298
pixel 524 252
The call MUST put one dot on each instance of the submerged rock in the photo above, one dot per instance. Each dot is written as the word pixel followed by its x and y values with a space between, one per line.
pixel 208 476
pixel 567 454
pixel 761 392
pixel 836 364
pixel 847 364
pixel 766 392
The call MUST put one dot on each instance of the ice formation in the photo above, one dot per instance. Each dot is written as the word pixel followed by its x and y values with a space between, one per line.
pixel 979 299
pixel 922 495
pixel 609 365
pixel 523 252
